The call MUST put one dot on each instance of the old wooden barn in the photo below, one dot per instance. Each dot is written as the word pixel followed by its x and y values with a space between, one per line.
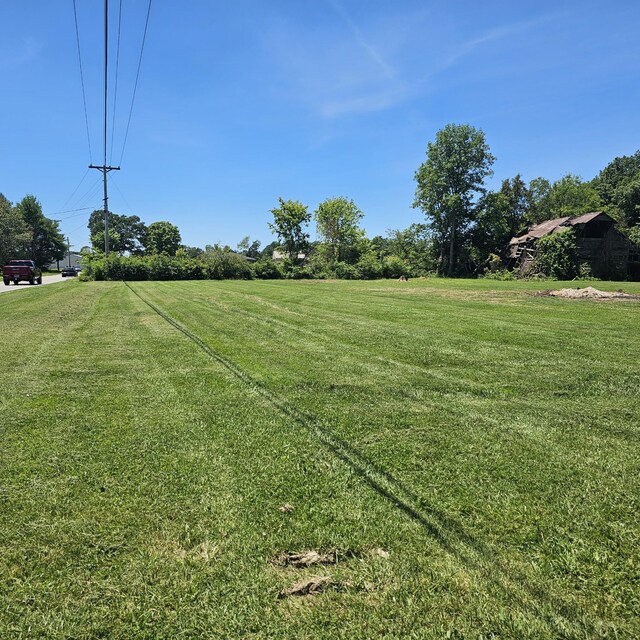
pixel 609 253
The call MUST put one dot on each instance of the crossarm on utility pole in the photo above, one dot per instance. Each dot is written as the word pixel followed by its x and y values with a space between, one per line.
pixel 105 169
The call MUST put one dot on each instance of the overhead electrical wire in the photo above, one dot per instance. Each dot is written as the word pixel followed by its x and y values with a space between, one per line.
pixel 115 184
pixel 115 86
pixel 89 193
pixel 84 98
pixel 76 229
pixel 75 215
pixel 66 202
pixel 135 86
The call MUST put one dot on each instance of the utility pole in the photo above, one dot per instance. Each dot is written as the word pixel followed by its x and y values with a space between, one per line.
pixel 104 168
pixel 69 251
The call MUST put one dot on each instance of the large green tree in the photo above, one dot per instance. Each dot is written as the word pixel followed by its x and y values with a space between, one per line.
pixel 127 234
pixel 500 215
pixel 290 220
pixel 337 224
pixel 449 182
pixel 15 238
pixel 46 243
pixel 518 201
pixel 163 237
pixel 619 187
pixel 568 196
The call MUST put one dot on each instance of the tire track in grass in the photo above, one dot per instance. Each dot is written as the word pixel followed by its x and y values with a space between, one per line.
pixel 562 619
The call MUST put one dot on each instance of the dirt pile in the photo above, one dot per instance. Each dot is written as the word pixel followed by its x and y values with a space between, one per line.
pixel 590 293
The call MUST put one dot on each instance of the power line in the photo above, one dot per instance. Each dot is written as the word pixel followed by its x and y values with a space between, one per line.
pixel 115 184
pixel 135 87
pixel 90 193
pixel 84 98
pixel 75 215
pixel 115 88
pixel 86 173
pixel 76 229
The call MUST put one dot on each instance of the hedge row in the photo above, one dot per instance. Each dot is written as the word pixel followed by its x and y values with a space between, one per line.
pixel 160 267
pixel 230 266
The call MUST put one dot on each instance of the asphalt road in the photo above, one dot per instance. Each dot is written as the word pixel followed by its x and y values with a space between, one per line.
pixel 25 285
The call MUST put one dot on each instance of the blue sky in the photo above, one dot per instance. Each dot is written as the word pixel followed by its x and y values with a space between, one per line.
pixel 241 102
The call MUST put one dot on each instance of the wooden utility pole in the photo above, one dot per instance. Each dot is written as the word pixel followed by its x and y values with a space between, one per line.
pixel 104 168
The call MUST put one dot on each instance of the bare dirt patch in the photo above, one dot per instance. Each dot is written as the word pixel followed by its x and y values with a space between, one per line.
pixel 588 293
pixel 305 559
pixel 307 587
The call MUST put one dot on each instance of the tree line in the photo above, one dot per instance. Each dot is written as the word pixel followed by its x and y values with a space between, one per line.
pixel 465 228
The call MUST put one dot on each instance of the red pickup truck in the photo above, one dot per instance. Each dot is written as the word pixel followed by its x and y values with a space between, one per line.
pixel 18 270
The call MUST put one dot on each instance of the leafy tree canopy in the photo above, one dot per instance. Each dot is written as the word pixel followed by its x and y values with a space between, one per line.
pixel 15 238
pixel 163 238
pixel 290 220
pixel 450 179
pixel 46 242
pixel 619 187
pixel 569 196
pixel 127 234
pixel 248 248
pixel 337 222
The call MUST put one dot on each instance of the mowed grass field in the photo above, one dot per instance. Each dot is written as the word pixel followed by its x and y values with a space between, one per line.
pixel 462 455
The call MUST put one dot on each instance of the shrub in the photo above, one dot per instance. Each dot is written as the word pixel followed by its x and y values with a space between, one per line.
pixel 162 267
pixel 500 274
pixel 394 267
pixel 557 255
pixel 266 269
pixel 369 266
pixel 346 271
pixel 226 265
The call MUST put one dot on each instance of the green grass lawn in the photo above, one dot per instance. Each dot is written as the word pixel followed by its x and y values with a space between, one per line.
pixel 464 454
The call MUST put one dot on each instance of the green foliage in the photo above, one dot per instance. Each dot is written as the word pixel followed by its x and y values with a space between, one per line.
pixel 248 248
pixel 266 269
pixel 215 264
pixel 15 237
pixel 369 266
pixel 449 180
pixel 539 189
pixel 162 238
pixel 634 234
pixel 569 196
pixel 493 228
pixel 346 271
pixel 290 220
pixel 494 263
pixel 414 245
pixel 502 274
pixel 127 234
pixel 224 264
pixel 584 272
pixel 495 271
pixel 191 252
pixel 46 243
pixel 557 255
pixel 337 222
pixel 395 267
pixel 619 187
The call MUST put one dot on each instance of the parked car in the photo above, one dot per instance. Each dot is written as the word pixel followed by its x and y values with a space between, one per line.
pixel 21 270
pixel 69 271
